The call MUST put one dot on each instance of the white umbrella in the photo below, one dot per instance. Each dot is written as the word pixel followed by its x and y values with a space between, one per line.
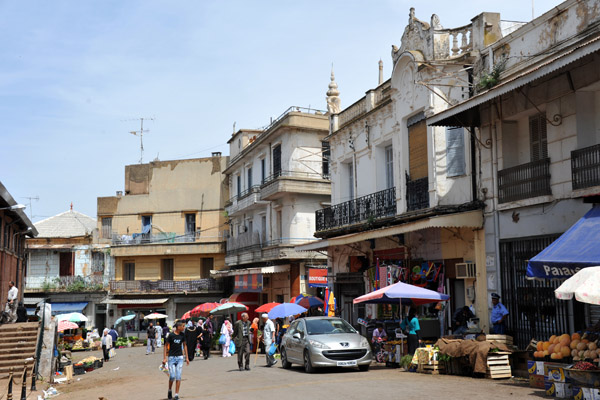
pixel 584 285
pixel 156 316
pixel 229 308
pixel 73 317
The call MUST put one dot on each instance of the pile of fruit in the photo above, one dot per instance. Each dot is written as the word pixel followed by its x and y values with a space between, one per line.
pixel 565 346
pixel 585 366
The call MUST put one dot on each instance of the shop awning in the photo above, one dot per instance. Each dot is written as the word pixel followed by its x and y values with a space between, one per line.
pixel 135 301
pixel 575 249
pixel 63 308
pixel 273 269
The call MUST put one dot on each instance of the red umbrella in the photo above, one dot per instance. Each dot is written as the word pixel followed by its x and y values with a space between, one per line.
pixel 265 308
pixel 186 315
pixel 309 302
pixel 64 325
pixel 203 309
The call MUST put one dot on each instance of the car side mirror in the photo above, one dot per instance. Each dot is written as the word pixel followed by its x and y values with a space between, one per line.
pixel 297 335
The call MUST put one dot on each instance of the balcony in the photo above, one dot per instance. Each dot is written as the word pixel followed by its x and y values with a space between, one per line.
pixel 294 182
pixel 73 284
pixel 162 243
pixel 417 194
pixel 585 167
pixel 245 200
pixel 164 286
pixel 367 208
pixel 137 239
pixel 524 181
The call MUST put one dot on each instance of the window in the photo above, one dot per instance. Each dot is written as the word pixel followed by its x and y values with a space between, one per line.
pixel 6 235
pixel 167 269
pixel 389 167
pixel 263 227
pixel 350 181
pixel 207 265
pixel 107 227
pixel 325 163
pixel 249 177
pixel 455 152
pixel 66 264
pixel 417 150
pixel 263 170
pixel 239 185
pixel 129 271
pixel 537 137
pixel 146 224
pixel 277 160
pixel 190 226
pixel 279 225
pixel 250 226
pixel 279 298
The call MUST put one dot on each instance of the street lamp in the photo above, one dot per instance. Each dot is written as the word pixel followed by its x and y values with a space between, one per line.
pixel 15 207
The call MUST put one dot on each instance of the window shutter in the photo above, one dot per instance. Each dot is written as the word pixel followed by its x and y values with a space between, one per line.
pixel 455 152
pixel 538 138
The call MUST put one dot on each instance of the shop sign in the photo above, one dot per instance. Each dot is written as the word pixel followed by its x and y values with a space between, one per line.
pixel 317 277
pixel 248 283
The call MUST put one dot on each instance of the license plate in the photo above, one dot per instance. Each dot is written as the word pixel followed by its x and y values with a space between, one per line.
pixel 346 363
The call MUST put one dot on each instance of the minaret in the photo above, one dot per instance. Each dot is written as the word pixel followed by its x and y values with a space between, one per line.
pixel 333 96
pixel 380 72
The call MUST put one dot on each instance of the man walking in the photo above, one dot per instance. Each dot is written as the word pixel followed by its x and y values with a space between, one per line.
pixel 241 338
pixel 151 339
pixel 113 334
pixel 11 303
pixel 175 353
pixel 268 338
pixel 210 328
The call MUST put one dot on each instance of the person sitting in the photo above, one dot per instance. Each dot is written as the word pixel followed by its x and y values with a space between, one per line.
pixel 22 313
pixel 379 334
pixel 460 319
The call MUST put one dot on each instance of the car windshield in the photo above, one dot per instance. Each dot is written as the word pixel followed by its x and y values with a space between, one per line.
pixel 328 326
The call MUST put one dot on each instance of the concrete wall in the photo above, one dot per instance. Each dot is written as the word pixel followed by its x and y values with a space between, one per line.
pixel 185 267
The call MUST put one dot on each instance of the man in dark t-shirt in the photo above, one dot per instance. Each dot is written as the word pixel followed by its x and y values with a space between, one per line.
pixel 175 353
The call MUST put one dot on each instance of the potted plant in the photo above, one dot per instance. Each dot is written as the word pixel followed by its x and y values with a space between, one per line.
pixel 405 361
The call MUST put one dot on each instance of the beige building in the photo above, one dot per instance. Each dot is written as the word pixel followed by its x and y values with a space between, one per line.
pixel 166 235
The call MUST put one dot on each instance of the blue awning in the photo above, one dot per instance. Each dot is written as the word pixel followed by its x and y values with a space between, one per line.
pixel 577 248
pixel 63 308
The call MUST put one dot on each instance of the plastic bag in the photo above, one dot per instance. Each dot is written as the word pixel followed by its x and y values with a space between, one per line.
pixel 222 339
pixel 272 349
pixel 232 348
pixel 112 353
pixel 164 368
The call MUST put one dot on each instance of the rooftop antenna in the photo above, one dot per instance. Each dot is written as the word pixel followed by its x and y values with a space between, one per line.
pixel 233 126
pixel 141 135
pixel 36 198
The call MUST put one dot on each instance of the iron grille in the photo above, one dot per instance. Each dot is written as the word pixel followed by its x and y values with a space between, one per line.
pixel 417 194
pixel 534 311
pixel 585 167
pixel 524 181
pixel 370 207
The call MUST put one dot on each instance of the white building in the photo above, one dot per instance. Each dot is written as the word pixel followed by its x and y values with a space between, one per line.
pixel 277 181
pixel 538 126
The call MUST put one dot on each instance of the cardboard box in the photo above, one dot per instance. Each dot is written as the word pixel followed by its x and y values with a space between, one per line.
pixel 531 367
pixel 555 373
pixel 549 388
pixel 536 381
pixel 582 393
pixel 563 390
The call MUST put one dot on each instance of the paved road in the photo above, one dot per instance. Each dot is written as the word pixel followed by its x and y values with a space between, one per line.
pixel 138 377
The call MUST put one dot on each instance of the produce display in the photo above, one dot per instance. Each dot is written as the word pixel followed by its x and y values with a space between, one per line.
pixel 584 366
pixel 580 347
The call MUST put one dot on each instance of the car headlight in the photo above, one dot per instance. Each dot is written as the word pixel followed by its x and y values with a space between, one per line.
pixel 364 342
pixel 318 345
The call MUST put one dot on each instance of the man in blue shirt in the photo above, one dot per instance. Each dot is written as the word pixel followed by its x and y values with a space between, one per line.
pixel 499 313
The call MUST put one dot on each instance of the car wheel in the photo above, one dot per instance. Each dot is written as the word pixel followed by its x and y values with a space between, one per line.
pixel 284 361
pixel 364 368
pixel 308 367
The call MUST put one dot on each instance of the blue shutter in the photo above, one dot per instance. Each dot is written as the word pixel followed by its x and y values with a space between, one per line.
pixel 455 152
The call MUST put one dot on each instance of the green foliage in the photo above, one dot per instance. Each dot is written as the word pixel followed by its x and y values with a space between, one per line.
pixel 77 286
pixel 406 360
pixel 444 357
pixel 489 80
pixel 48 286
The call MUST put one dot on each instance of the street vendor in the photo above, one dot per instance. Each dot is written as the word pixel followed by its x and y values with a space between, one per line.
pixel 460 319
pixel 379 333
pixel 498 317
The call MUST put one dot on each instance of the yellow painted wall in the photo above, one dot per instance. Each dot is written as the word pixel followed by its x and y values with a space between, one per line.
pixel 458 243
pixel 185 267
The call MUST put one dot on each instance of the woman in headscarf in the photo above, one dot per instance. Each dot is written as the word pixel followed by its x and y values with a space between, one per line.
pixel 106 344
pixel 227 330
pixel 204 337
pixel 254 334
pixel 191 340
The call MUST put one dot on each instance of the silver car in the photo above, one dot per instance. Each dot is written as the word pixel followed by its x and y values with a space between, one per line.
pixel 324 342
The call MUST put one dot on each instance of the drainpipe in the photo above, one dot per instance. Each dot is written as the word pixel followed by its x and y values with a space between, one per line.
pixel 494 134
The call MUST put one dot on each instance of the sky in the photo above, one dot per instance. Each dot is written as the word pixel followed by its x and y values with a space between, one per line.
pixel 76 77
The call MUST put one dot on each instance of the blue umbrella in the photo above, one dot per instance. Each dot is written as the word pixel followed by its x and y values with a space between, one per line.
pixel 310 302
pixel 125 318
pixel 285 310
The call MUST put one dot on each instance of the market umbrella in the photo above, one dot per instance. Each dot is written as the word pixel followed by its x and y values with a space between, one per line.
pixel 125 318
pixel 187 315
pixel 285 310
pixel 229 308
pixel 156 316
pixel 330 303
pixel 309 302
pixel 64 325
pixel 299 297
pixel 402 292
pixel 265 308
pixel 73 317
pixel 584 285
pixel 203 309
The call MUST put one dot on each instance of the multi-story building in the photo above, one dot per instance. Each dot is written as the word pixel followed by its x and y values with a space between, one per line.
pixel 14 226
pixel 68 268
pixel 536 120
pixel 166 235
pixel 405 205
pixel 277 179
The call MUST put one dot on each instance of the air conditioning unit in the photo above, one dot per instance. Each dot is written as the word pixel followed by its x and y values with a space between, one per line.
pixel 465 270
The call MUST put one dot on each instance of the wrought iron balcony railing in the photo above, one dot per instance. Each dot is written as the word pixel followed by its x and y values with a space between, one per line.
pixel 524 181
pixel 163 238
pixel 585 167
pixel 417 194
pixel 294 174
pixel 371 207
pixel 166 286
pixel 72 283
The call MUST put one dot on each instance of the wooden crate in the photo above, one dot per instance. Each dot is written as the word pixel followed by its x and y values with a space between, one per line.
pixel 507 340
pixel 433 368
pixel 498 366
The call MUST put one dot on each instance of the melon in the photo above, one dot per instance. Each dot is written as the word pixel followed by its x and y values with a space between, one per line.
pixel 565 351
pixel 581 346
pixel 574 343
pixel 576 336
pixel 592 346
pixel 540 346
pixel 546 345
pixel 551 340
pixel 551 348
pixel 574 353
